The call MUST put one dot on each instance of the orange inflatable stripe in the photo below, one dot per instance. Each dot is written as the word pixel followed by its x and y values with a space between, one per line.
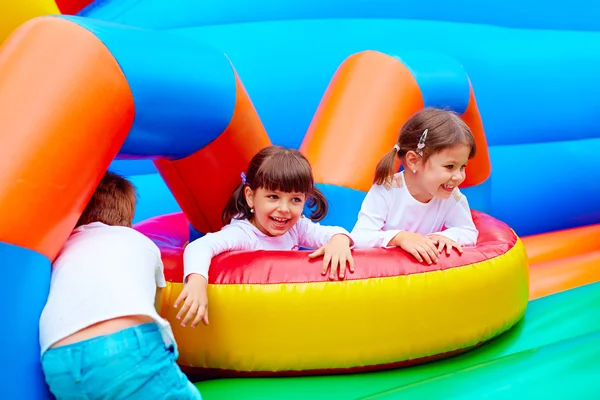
pixel 558 275
pixel 563 260
pixel 556 245
pixel 479 168
pixel 63 109
pixel 359 118
pixel 202 183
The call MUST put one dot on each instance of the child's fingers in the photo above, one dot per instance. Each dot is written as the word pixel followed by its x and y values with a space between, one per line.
pixel 333 271
pixel 458 247
pixel 317 253
pixel 433 252
pixel 441 246
pixel 351 262
pixel 180 298
pixel 199 315
pixel 342 266
pixel 205 319
pixel 431 246
pixel 184 308
pixel 326 260
pixel 416 255
pixel 424 253
pixel 191 314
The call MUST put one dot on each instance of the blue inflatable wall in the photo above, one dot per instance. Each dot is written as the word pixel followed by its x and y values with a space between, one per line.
pixel 532 67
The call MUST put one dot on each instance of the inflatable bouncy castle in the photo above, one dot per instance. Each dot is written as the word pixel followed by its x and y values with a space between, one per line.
pixel 179 95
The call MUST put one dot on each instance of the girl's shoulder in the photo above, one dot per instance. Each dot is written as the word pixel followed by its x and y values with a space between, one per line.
pixel 240 225
pixel 395 181
pixel 302 224
pixel 455 198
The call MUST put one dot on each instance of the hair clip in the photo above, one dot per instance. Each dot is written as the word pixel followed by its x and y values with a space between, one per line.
pixel 421 144
pixel 243 175
pixel 397 148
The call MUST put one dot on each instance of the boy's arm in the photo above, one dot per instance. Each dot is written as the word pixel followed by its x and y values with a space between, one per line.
pixel 158 299
pixel 159 276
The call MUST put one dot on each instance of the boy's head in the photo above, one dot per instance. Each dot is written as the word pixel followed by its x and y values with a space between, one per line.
pixel 113 202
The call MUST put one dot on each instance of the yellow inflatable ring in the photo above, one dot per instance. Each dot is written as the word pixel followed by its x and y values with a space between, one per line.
pixel 273 313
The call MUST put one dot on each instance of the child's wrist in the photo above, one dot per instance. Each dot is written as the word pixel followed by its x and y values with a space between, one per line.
pixel 397 239
pixel 342 236
pixel 194 276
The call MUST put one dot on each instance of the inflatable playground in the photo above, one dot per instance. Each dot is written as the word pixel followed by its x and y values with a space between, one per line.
pixel 178 95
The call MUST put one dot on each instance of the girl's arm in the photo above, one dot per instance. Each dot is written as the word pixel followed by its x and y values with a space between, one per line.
pixel 313 235
pixel 368 231
pixel 196 261
pixel 199 253
pixel 459 224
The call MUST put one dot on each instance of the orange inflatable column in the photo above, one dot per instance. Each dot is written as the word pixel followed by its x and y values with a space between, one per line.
pixel 203 182
pixel 65 110
pixel 479 168
pixel 358 120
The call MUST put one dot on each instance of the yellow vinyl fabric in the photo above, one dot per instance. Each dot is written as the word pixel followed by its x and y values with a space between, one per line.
pixel 353 323
pixel 13 13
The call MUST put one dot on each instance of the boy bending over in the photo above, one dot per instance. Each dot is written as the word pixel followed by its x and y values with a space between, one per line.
pixel 100 334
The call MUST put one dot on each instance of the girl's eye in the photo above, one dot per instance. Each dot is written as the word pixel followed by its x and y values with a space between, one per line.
pixel 463 167
pixel 450 166
pixel 272 196
pixel 297 200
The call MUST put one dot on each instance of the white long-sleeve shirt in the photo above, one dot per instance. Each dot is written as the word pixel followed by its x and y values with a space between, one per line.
pixel 387 210
pixel 242 235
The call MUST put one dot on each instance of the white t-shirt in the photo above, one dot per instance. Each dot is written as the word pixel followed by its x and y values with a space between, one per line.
pixel 102 272
pixel 387 210
pixel 242 235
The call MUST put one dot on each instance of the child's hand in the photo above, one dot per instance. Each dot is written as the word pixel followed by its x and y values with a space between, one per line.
pixel 337 252
pixel 443 241
pixel 195 301
pixel 421 247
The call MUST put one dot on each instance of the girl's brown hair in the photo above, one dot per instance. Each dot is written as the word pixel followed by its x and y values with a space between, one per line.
pixel 276 168
pixel 444 129
pixel 113 202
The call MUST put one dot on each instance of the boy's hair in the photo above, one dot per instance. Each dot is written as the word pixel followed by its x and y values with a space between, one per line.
pixel 276 168
pixel 113 202
pixel 444 129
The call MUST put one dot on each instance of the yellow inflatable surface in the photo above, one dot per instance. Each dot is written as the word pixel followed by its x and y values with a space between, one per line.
pixel 14 12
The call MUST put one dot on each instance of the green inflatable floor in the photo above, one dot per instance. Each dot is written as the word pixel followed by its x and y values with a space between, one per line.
pixel 553 351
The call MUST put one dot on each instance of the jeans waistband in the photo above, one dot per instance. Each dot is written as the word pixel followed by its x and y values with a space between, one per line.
pixel 140 337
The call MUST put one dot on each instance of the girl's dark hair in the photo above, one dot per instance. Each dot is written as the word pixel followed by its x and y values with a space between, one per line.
pixel 444 129
pixel 276 168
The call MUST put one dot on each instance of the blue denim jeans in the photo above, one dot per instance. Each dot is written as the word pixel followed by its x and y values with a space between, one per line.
pixel 130 364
